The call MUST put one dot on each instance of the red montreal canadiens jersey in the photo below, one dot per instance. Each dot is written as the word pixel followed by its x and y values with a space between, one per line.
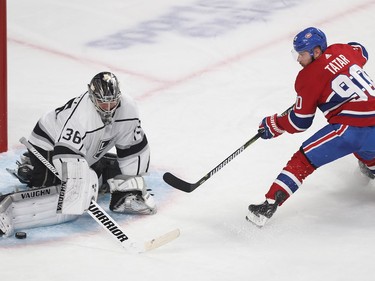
pixel 336 84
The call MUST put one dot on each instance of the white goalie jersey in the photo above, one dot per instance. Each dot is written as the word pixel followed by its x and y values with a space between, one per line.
pixel 76 130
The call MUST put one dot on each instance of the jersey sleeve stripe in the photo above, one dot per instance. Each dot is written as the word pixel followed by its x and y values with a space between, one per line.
pixel 132 150
pixel 301 122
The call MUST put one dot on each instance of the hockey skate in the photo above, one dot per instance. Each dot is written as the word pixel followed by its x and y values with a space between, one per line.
pixel 365 170
pixel 260 214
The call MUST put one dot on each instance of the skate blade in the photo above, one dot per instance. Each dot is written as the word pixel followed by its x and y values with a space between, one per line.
pixel 258 221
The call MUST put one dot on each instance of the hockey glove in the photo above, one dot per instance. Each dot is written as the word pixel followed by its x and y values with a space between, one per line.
pixel 269 129
pixel 130 195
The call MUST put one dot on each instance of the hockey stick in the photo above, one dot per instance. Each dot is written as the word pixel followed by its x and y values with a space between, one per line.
pixel 189 187
pixel 104 220
pixel 182 185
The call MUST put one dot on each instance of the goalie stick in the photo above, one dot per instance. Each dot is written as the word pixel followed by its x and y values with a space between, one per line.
pixel 108 223
pixel 182 185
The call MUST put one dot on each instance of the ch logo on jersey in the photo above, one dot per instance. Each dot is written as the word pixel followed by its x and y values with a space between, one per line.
pixel 102 146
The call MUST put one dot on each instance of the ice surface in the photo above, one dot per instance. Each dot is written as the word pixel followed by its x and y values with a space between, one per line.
pixel 204 73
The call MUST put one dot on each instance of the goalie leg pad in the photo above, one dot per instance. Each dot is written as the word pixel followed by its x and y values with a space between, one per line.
pixel 79 186
pixel 29 209
pixel 129 195
pixel 6 224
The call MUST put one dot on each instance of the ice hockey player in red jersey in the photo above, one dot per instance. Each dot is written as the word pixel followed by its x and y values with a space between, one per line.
pixel 332 80
pixel 77 138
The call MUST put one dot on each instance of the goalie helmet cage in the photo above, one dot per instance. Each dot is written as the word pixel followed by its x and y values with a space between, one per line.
pixel 3 79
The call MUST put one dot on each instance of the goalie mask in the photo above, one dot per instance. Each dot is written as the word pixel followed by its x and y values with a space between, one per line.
pixel 105 93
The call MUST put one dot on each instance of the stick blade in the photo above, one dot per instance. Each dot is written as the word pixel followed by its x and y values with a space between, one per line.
pixel 162 240
pixel 178 183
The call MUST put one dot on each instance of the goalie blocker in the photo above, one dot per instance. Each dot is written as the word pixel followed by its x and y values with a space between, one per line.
pixel 65 202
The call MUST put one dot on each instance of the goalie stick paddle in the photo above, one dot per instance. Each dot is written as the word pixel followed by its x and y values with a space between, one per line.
pixel 106 221
pixel 182 185
pixel 161 240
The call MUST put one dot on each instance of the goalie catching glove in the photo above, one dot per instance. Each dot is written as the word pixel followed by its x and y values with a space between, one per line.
pixel 129 195
pixel 269 128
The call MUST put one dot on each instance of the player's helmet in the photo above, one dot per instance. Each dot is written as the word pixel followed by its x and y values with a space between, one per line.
pixel 308 39
pixel 105 93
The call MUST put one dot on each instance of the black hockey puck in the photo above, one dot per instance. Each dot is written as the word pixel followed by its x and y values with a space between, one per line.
pixel 20 235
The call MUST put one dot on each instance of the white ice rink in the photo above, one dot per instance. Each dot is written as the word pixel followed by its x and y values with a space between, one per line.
pixel 204 73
